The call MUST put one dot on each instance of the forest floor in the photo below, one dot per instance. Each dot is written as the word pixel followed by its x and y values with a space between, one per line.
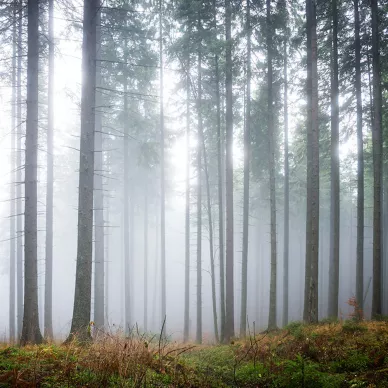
pixel 341 354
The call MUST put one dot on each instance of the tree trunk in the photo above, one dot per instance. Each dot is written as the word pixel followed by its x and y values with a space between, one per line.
pixel 19 219
pixel 99 231
pixel 127 277
pixel 360 165
pixel 186 331
pixel 31 331
pixel 83 279
pixel 162 177
pixel 107 256
pixel 229 319
pixel 146 260
pixel 12 256
pixel 312 221
pixel 286 248
pixel 377 165
pixel 335 174
pixel 199 201
pixel 272 319
pixel 247 147
pixel 48 296
pixel 220 155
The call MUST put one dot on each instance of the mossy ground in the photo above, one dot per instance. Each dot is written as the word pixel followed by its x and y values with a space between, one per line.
pixel 348 354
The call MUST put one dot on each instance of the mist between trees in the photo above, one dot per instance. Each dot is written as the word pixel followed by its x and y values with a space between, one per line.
pixel 203 169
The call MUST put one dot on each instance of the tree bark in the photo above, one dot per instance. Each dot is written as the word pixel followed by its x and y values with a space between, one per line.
pixel 19 219
pixel 12 234
pixel 99 231
pixel 247 154
pixel 83 279
pixel 360 165
pixel 286 248
pixel 272 319
pixel 186 330
pixel 229 318
pixel 162 178
pixel 377 166
pixel 312 220
pixel 31 331
pixel 335 174
pixel 145 320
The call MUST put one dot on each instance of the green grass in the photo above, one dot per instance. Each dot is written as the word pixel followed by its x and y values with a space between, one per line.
pixel 327 355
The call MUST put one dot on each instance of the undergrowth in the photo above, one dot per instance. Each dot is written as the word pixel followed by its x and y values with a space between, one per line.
pixel 332 354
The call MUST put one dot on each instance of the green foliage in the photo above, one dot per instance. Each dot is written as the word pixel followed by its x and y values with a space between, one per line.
pixel 352 326
pixel 354 362
pixel 295 329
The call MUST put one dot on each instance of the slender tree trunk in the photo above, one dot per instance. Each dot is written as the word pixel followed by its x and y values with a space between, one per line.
pixel 272 319
pixel 146 260
pixel 186 331
pixel 12 256
pixel 229 321
pixel 31 331
pixel 199 198
pixel 99 231
pixel 83 279
pixel 312 225
pixel 127 199
pixel 360 165
pixel 377 165
pixel 19 219
pixel 48 290
pixel 335 174
pixel 107 257
pixel 220 156
pixel 286 248
pixel 247 147
pixel 162 176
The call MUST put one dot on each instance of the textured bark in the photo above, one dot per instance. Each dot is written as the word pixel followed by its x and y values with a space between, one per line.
pixel 286 247
pixel 360 164
pixel 19 219
pixel 220 157
pixel 83 277
pixel 272 318
pixel 199 199
pixel 247 154
pixel 145 320
pixel 335 174
pixel 48 290
pixel 377 166
pixel 31 331
pixel 127 199
pixel 310 313
pixel 186 330
pixel 162 177
pixel 12 247
pixel 99 231
pixel 229 300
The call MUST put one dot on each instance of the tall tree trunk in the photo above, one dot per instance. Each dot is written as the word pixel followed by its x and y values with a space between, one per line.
pixel 286 248
pixel 48 290
pixel 377 165
pixel 31 331
pixel 19 219
pixel 199 198
pixel 186 331
pixel 335 174
pixel 127 199
pixel 360 165
pixel 247 147
pixel 229 319
pixel 312 220
pixel 99 231
pixel 272 319
pixel 12 256
pixel 83 278
pixel 145 320
pixel 220 156
pixel 107 256
pixel 162 176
